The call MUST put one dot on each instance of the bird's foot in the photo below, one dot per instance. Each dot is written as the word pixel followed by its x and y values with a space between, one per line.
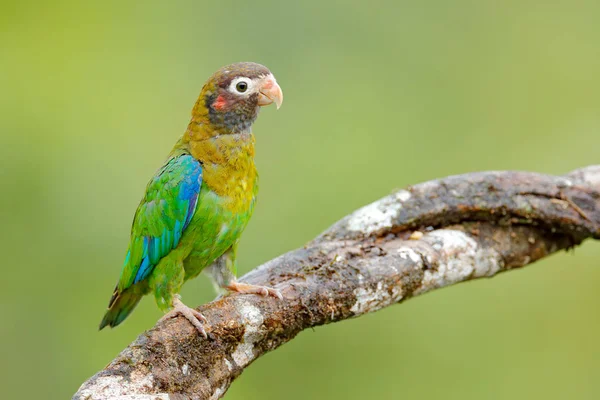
pixel 254 289
pixel 189 313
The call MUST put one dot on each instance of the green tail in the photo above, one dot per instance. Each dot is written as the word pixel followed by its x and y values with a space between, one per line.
pixel 120 306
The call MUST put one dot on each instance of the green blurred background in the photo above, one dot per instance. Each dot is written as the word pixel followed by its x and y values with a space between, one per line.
pixel 378 95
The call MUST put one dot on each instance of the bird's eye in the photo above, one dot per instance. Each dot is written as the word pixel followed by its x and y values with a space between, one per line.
pixel 241 86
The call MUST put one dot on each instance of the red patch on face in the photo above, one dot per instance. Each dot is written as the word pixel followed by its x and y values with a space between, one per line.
pixel 219 103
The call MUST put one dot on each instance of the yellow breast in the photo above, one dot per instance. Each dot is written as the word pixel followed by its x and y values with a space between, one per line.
pixel 228 168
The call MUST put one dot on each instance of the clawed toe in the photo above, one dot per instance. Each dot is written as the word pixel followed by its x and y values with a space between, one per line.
pixel 199 315
pixel 274 293
pixel 189 313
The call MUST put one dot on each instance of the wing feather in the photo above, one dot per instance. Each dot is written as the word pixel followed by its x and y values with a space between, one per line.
pixel 162 216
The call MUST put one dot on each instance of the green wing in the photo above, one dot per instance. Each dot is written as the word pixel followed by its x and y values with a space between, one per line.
pixel 162 217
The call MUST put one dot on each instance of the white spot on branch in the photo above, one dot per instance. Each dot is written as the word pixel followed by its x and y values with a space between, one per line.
pixel 369 299
pixel 252 319
pixel 378 215
pixel 461 258
pixel 117 388
pixel 218 392
pixel 185 369
pixel 408 253
pixel 403 195
pixel 567 182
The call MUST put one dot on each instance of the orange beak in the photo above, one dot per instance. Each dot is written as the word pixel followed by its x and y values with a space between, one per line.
pixel 269 92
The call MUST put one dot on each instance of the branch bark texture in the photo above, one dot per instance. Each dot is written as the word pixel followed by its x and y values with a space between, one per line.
pixel 425 237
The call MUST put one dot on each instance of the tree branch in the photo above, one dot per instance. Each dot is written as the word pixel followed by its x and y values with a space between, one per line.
pixel 426 237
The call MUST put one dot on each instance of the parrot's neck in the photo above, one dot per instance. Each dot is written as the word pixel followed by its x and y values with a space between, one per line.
pixel 227 160
pixel 218 146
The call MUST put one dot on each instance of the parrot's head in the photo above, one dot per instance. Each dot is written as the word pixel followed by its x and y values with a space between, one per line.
pixel 232 96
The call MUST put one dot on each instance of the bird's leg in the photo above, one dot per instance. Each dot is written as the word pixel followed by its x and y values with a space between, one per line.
pixel 223 270
pixel 189 313
pixel 235 286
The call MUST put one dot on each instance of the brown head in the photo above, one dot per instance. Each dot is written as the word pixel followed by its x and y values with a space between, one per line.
pixel 232 96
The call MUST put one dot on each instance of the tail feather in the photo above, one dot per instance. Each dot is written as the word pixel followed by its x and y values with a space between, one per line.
pixel 120 306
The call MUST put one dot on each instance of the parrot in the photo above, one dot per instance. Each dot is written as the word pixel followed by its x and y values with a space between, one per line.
pixel 200 200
